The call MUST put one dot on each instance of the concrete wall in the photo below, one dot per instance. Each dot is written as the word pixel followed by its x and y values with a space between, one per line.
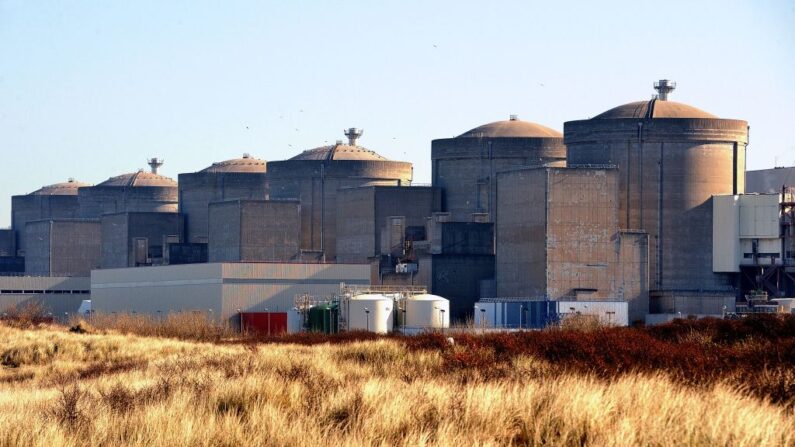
pixel 769 180
pixel 54 295
pixel 632 275
pixel 558 238
pixel 466 168
pixel 582 213
pixel 254 230
pixel 691 302
pixel 8 243
pixel 669 171
pixel 363 213
pixel 120 230
pixel 521 255
pixel 218 289
pixel 197 190
pixel 466 238
pixel 32 207
pixel 315 184
pixel 63 247
pixel 457 278
pixel 94 201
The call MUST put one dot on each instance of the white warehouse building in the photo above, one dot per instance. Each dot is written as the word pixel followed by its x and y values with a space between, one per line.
pixel 220 289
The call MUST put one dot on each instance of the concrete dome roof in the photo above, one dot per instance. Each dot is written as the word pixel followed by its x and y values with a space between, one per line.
pixel 339 152
pixel 655 109
pixel 68 188
pixel 244 164
pixel 138 179
pixel 512 128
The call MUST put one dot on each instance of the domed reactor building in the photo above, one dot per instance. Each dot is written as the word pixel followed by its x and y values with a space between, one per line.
pixel 240 178
pixel 672 158
pixel 58 201
pixel 315 176
pixel 134 192
pixel 466 167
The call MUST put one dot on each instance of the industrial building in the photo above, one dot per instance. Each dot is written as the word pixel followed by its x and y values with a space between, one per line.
pixel 57 201
pixel 63 247
pixel 221 290
pixel 134 192
pixel 240 178
pixel 57 295
pixel 315 177
pixel 255 231
pixel 558 238
pixel 134 239
pixel 375 221
pixel 769 181
pixel 648 205
pixel 466 167
pixel 672 158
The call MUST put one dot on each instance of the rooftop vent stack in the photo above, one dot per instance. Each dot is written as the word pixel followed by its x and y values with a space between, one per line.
pixel 664 87
pixel 353 135
pixel 154 164
pixel 513 118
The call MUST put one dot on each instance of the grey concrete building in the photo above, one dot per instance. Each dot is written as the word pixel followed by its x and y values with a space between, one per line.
pixel 50 295
pixel 136 239
pixel 139 191
pixel 558 238
pixel 255 231
pixel 58 201
pixel 241 178
pixel 220 290
pixel 315 176
pixel 364 213
pixel 63 247
pixel 672 158
pixel 466 167
pixel 8 243
pixel 766 181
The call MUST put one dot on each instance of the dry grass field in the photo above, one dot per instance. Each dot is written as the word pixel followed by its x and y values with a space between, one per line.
pixel 690 383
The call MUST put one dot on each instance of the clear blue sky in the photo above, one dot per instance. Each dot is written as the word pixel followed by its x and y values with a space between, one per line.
pixel 90 89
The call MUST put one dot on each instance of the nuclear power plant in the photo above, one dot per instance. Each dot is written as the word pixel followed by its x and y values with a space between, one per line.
pixel 643 213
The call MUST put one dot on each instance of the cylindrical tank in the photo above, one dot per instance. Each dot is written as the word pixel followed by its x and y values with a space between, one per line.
pixel 466 167
pixel 672 158
pixel 324 318
pixel 427 311
pixel 370 312
pixel 315 176
pixel 139 191
pixel 241 178
pixel 58 201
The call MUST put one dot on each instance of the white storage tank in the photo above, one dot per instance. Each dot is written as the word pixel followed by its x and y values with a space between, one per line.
pixel 427 311
pixel 370 312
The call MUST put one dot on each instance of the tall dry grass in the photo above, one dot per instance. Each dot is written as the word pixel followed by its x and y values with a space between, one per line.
pixel 196 326
pixel 62 389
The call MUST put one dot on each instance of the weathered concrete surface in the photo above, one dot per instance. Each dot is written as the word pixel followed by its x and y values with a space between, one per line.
pixel 466 167
pixel 254 231
pixel 119 232
pixel 315 182
pixel 669 170
pixel 230 180
pixel 64 247
pixel 363 214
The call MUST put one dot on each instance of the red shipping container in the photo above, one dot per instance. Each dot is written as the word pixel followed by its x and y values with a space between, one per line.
pixel 259 322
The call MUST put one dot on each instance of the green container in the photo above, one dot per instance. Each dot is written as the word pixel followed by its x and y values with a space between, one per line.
pixel 324 318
